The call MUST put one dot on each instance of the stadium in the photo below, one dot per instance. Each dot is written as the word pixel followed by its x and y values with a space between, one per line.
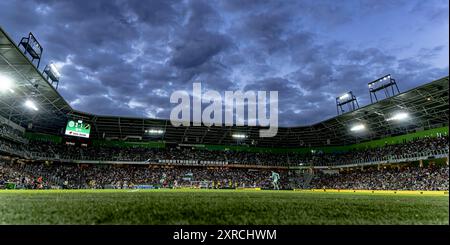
pixel 384 163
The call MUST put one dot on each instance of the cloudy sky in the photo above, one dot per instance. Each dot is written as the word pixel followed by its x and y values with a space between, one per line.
pixel 125 57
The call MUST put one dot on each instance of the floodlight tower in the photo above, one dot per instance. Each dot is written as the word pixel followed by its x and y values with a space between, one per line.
pixel 51 73
pixel 384 83
pixel 32 47
pixel 348 99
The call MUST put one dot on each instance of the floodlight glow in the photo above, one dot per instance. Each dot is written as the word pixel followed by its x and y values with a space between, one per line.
pixel 5 84
pixel 55 71
pixel 345 96
pixel 239 136
pixel 387 77
pixel 30 104
pixel 358 127
pixel 154 131
pixel 398 117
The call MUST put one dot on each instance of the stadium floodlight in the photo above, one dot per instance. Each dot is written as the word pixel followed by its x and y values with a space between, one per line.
pixel 345 96
pixel 30 104
pixel 54 70
pixel 154 131
pixel 239 136
pixel 6 84
pixel 349 100
pixel 32 47
pixel 385 83
pixel 358 127
pixel 52 73
pixel 400 116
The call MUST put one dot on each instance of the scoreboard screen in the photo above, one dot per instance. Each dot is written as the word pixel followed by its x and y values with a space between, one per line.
pixel 78 128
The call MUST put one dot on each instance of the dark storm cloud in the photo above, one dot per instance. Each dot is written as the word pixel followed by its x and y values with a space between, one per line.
pixel 125 57
pixel 155 12
pixel 196 50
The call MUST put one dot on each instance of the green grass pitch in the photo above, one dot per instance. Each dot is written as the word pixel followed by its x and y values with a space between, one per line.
pixel 217 207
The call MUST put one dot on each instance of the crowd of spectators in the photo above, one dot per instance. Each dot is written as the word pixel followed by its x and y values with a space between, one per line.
pixel 104 175
pixel 20 179
pixel 428 146
pixel 389 178
pixel 128 176
pixel 80 176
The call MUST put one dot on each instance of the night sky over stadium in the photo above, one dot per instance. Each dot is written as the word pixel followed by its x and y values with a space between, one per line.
pixel 121 57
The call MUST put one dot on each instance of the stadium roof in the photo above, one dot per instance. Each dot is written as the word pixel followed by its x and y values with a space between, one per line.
pixel 427 106
pixel 29 84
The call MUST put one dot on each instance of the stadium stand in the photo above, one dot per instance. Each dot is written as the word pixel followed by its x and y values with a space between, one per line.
pixel 406 177
pixel 128 176
pixel 428 146
pixel 9 132
pixel 398 176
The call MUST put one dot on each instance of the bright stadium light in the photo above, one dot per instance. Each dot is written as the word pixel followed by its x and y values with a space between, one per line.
pixel 386 84
pixel 51 73
pixel 154 131
pixel 400 116
pixel 346 102
pixel 345 96
pixel 358 127
pixel 30 104
pixel 6 84
pixel 239 136
pixel 55 71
